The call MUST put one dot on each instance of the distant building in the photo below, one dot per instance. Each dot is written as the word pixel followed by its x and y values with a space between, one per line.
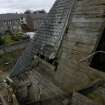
pixel 12 22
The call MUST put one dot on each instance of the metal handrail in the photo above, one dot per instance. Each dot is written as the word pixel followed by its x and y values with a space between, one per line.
pixel 91 55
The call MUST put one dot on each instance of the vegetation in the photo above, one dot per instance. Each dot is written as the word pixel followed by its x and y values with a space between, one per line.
pixel 8 40
pixel 28 12
pixel 1 41
pixel 7 60
pixel 11 39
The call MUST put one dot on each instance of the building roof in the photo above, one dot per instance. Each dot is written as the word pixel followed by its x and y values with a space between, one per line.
pixel 48 36
pixel 10 16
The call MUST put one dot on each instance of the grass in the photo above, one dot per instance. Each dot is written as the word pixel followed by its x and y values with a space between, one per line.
pixel 11 39
pixel 8 40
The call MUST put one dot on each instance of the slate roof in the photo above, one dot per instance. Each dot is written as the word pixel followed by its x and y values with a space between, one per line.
pixel 10 16
pixel 49 36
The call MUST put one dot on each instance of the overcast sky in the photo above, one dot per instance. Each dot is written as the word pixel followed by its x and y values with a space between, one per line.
pixel 22 5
